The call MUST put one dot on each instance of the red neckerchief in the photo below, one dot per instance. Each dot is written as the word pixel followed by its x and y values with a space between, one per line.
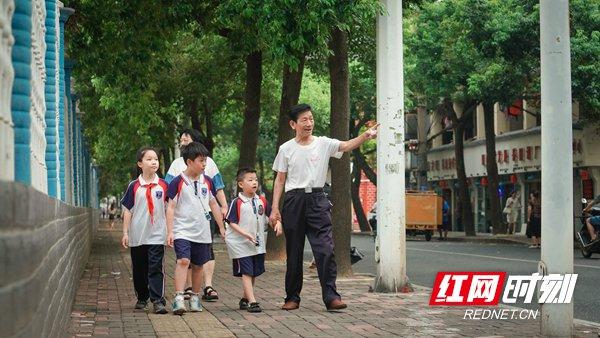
pixel 149 200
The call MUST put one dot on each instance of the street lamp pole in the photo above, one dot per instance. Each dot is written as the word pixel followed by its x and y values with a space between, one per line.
pixel 557 158
pixel 391 233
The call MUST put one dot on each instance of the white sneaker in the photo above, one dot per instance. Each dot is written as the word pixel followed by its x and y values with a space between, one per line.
pixel 195 305
pixel 179 305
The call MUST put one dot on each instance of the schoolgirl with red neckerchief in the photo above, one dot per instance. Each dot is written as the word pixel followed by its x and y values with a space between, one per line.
pixel 145 230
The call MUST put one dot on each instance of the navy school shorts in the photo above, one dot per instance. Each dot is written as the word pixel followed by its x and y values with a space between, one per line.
pixel 252 265
pixel 197 253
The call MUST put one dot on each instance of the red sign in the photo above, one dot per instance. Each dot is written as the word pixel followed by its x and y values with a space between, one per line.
pixel 467 288
pixel 516 108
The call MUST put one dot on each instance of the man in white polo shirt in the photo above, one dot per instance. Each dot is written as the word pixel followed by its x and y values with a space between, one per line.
pixel 301 166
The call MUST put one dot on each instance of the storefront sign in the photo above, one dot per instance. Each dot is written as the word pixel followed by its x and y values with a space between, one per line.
pixel 518 154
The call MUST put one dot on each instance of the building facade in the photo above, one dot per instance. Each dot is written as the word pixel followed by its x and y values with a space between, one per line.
pixel 41 139
pixel 518 156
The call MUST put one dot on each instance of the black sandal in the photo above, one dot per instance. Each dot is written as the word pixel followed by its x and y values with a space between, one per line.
pixel 243 304
pixel 254 308
pixel 210 294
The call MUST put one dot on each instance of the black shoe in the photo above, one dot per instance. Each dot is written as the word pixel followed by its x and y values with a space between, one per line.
pixel 254 308
pixel 243 304
pixel 160 308
pixel 141 304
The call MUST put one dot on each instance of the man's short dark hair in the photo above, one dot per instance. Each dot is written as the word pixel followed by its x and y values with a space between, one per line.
pixel 242 173
pixel 298 109
pixel 194 134
pixel 193 150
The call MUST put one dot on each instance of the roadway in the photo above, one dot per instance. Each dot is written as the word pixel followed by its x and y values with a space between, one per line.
pixel 425 259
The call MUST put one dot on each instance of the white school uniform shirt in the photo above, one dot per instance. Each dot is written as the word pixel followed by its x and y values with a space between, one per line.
pixel 178 166
pixel 251 214
pixel 146 228
pixel 306 165
pixel 192 206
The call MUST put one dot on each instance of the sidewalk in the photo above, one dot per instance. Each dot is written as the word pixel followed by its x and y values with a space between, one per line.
pixel 105 299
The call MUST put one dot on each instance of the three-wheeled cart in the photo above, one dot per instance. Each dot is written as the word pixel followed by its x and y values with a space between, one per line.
pixel 423 213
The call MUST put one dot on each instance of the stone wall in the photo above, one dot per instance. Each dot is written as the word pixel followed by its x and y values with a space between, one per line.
pixel 44 246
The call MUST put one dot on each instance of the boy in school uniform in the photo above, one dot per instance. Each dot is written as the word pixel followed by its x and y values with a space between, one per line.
pixel 191 197
pixel 186 137
pixel 247 235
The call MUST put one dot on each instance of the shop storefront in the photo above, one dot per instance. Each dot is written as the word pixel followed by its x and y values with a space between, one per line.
pixel 519 163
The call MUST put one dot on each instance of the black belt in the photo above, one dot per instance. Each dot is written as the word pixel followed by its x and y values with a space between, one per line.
pixel 306 190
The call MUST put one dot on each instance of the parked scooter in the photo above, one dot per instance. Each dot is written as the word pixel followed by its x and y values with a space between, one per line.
pixel 583 237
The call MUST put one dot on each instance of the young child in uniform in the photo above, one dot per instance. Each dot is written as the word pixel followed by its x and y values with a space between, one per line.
pixel 145 230
pixel 246 235
pixel 191 197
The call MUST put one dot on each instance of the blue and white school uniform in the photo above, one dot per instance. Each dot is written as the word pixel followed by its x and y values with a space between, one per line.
pixel 147 235
pixel 191 224
pixel 251 214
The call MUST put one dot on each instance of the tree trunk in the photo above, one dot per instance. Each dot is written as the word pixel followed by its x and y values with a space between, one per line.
pixel 363 222
pixel 261 179
pixel 494 216
pixel 249 140
pixel 195 119
pixel 209 142
pixel 369 172
pixel 464 195
pixel 341 212
pixel 290 94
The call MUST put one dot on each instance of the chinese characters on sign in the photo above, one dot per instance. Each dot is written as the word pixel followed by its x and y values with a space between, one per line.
pixel 505 156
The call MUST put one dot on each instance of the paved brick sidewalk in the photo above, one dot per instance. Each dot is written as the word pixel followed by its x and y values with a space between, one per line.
pixel 105 299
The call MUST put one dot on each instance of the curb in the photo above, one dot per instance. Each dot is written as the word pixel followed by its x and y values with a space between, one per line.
pixel 474 239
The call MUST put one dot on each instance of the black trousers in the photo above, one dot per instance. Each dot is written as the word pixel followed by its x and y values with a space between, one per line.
pixel 148 275
pixel 309 214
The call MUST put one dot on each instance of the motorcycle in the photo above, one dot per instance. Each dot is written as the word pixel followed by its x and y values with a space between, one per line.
pixel 583 237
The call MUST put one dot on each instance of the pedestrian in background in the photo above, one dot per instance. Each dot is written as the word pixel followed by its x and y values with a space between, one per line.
pixel 534 226
pixel 445 226
pixel 511 210
pixel 112 213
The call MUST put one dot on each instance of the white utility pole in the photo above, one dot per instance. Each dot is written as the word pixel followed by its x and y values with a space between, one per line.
pixel 557 159
pixel 391 231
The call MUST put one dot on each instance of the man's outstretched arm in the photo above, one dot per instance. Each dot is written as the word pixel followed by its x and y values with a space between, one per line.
pixel 354 143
